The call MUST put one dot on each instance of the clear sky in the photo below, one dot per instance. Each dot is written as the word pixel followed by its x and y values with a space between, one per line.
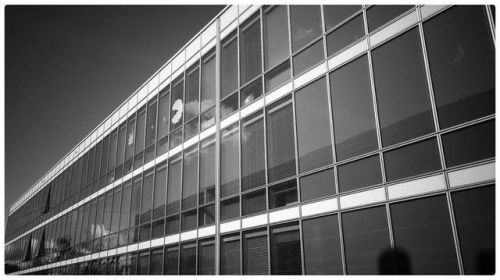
pixel 68 67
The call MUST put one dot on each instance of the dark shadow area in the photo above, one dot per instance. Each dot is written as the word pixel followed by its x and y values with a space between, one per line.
pixel 394 262
pixel 485 262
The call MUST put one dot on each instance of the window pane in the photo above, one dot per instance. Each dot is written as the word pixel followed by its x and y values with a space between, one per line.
pixel 366 237
pixel 158 228
pixel 352 103
pixel 150 124
pixel 254 202
pixel 255 253
pixel 206 258
pixel 207 119
pixel 462 64
pixel 283 194
pixel 125 205
pixel 313 123
pixel 308 58
pixel 190 179
pixel 229 65
pixel 229 158
pixel 108 207
pixel 276 46
pixel 115 215
pixel 423 237
pixel 475 218
pixel 335 14
pixel 402 94
pixel 177 104
pixel 359 174
pixel 175 138
pixel 163 112
pixel 172 225
pixel 192 92
pixel 306 24
pixel 251 92
pixel 174 185
pixel 98 219
pixel 143 264
pixel 252 152
pixel 120 152
pixel 141 125
pixel 412 160
pixel 189 220
pixel 229 105
pixel 188 259
pixel 278 76
pixel 317 185
pixel 280 141
pixel 207 171
pixel 171 260
pixel 470 144
pixel 380 14
pixel 156 265
pixel 160 192
pixel 230 255
pixel 206 215
pixel 112 152
pixel 230 208
pixel 285 250
pixel 322 246
pixel 129 148
pixel 250 56
pixel 147 197
pixel 135 205
pixel 345 35
pixel 208 81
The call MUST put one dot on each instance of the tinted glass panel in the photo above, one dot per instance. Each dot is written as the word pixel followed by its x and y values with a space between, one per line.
pixel 423 237
pixel 172 224
pixel 156 266
pixel 313 123
pixel 177 104
pixel 308 58
pixel 163 112
pixel 174 185
pixel 190 179
pixel 322 253
pixel 160 192
pixel 475 218
pixel 158 228
pixel 283 194
pixel 207 119
pixel 206 215
pixel 208 81
pixel 379 15
pixel 140 133
pixel 228 158
pixel 345 35
pixel 402 93
pixel 462 64
pixel 229 105
pixel 335 14
pixel 115 215
pixel 192 92
pixel 230 208
pixel 171 260
pixel 278 76
pixel 470 144
pixel 189 220
pixel 251 92
pixel 207 171
pixel 188 260
pixel 285 250
pixel 412 160
pixel 317 185
pixel 360 173
pixel 255 260
pixel 206 258
pixel 229 65
pixel 136 203
pixel 125 205
pixel 352 103
pixel 150 125
pixel 306 24
pixel 250 56
pixel 254 202
pixel 175 138
pixel 230 255
pixel 252 153
pixel 366 238
pixel 276 46
pixel 143 263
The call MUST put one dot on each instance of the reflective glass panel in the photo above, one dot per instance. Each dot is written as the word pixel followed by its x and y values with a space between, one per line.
pixel 252 152
pixel 380 14
pixel 276 46
pixel 306 24
pixel 250 49
pixel 360 173
pixel 345 35
pixel 317 185
pixel 335 14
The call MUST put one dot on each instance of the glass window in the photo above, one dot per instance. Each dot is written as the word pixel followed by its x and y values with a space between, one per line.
pixel 250 56
pixel 156 265
pixel 177 103
pixel 163 112
pixel 230 208
pixel 252 152
pixel 276 46
pixel 98 218
pixel 143 263
pixel 188 259
pixel 401 86
pixel 135 204
pixel 207 171
pixel 229 105
pixel 172 225
pixel 176 138
pixel 475 218
pixel 255 253
pixel 207 119
pixel 352 106
pixel 206 215
pixel 358 174
pixel 112 153
pixel 313 123
pixel 322 253
pixel 115 215
pixel 229 157
pixel 160 192
pixel 251 92
pixel 335 14
pixel 469 144
pixel 285 250
pixel 158 228
pixel 254 202
pixel 345 35
pixel 120 153
pixel 306 24
pixel 140 134
pixel 190 179
pixel 230 255
pixel 97 165
pixel 207 81
pixel 280 141
pixel 308 58
pixel 108 208
pixel 423 237
pixel 189 220
pixel 174 185
pixel 125 205
pixel 412 160
pixel 147 196
pixel 129 148
pixel 206 257
pixel 317 185
pixel 462 64
pixel 229 65
pixel 171 260
pixel 366 237
pixel 380 14
pixel 192 92
pixel 278 76
pixel 151 123
pixel 283 194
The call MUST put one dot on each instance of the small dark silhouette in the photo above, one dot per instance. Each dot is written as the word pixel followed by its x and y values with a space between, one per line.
pixel 394 261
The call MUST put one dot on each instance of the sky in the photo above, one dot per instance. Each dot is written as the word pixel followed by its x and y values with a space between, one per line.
pixel 68 67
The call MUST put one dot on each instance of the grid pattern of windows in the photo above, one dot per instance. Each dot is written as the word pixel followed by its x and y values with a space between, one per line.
pixel 384 119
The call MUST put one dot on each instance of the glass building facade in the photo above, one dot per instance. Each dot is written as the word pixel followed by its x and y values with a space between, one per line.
pixel 286 140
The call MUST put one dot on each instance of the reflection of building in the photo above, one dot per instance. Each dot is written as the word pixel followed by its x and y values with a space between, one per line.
pixel 296 140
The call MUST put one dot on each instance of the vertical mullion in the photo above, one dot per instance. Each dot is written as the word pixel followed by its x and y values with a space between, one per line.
pixel 217 144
